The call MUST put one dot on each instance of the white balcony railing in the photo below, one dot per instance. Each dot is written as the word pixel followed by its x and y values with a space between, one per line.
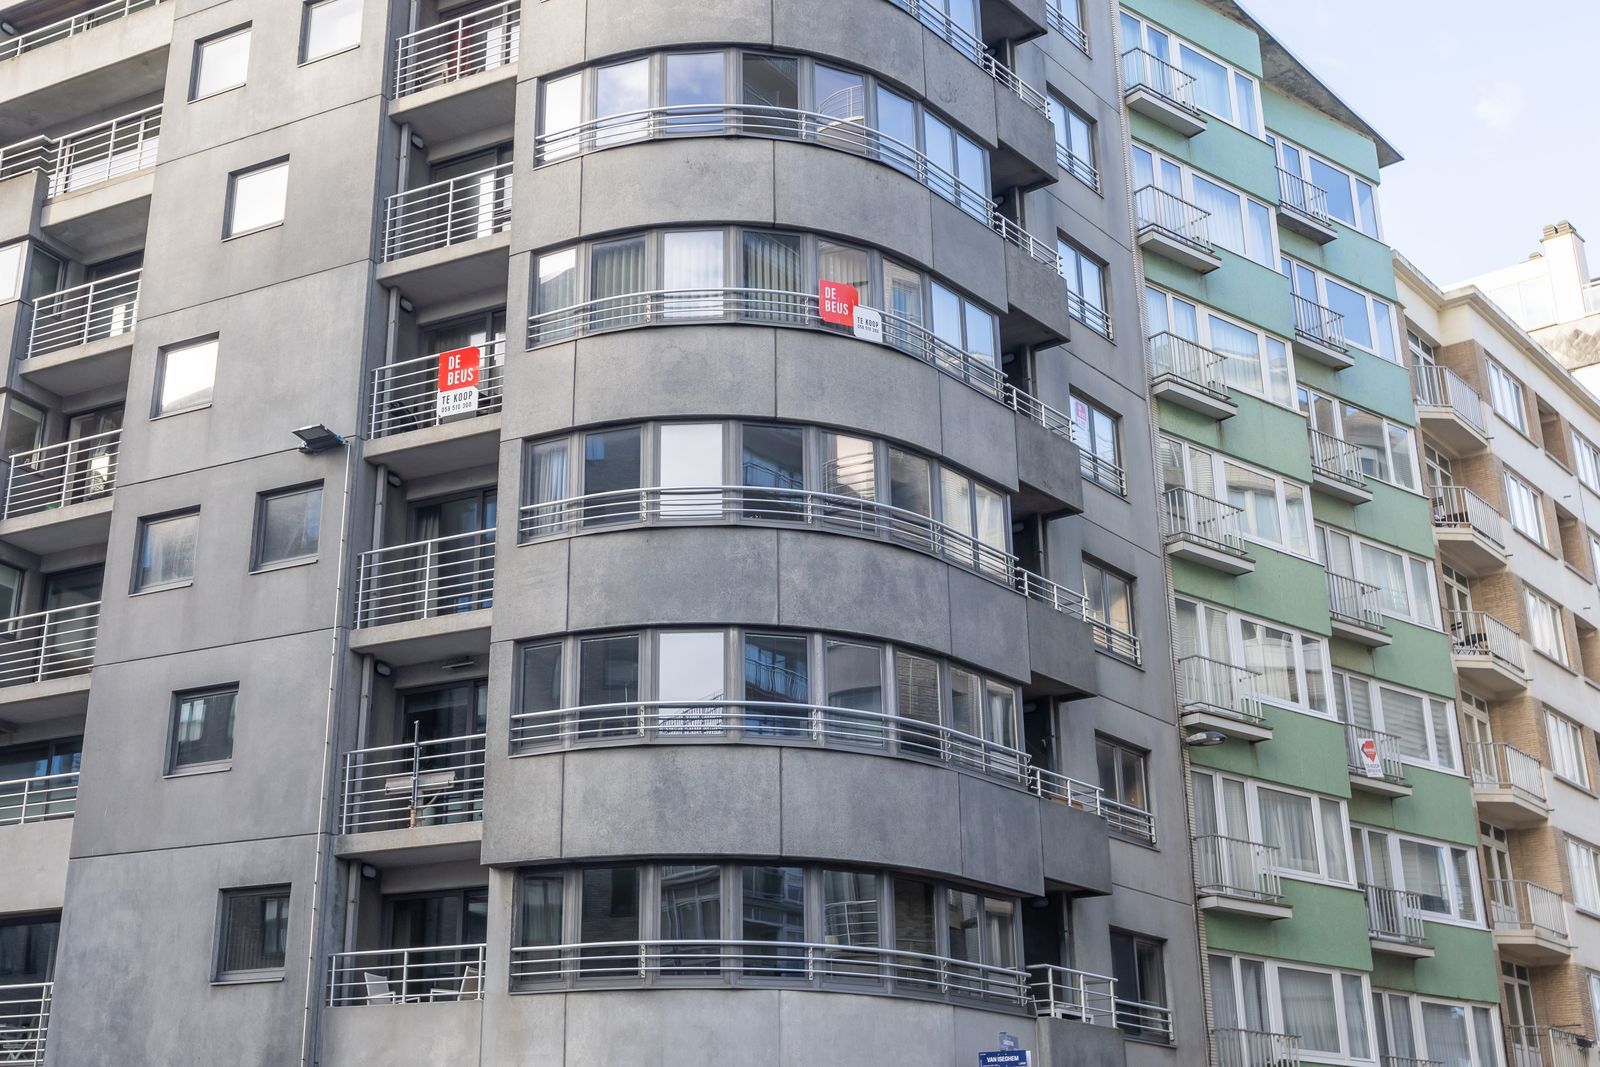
pixel 486 39
pixel 963 40
pixel 406 975
pixel 1566 1048
pixel 1236 868
pixel 1129 820
pixel 1478 634
pixel 57 476
pixel 1394 915
pixel 1141 70
pixel 36 799
pixel 1497 765
pixel 1441 387
pixel 447 213
pixel 1217 686
pixel 405 396
pixel 1337 459
pixel 106 150
pixel 552 968
pixel 426 579
pixel 1080 168
pixel 1527 1045
pixel 1064 993
pixel 48 644
pixel 1012 232
pixel 1089 312
pixel 1388 751
pixel 1354 601
pixel 1119 642
pixel 1063 18
pixel 1299 195
pixel 1318 324
pixel 1177 357
pixel 1527 906
pixel 1157 209
pixel 24 1023
pixel 1255 1048
pixel 1187 514
pixel 94 311
pixel 71 26
pixel 1144 1021
pixel 423 783
pixel 1455 507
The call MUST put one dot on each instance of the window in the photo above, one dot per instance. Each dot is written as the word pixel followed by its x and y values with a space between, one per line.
pixel 1368 322
pixel 1387 449
pixel 1308 832
pixel 1350 199
pixel 1122 773
pixel 202 728
pixel 166 551
pixel 1094 431
pixel 1526 511
pixel 1292 667
pixel 24 426
pixel 1505 396
pixel 330 26
pixel 774 911
pixel 1441 876
pixel 1239 223
pixel 1066 16
pixel 256 197
pixel 1219 88
pixel 608 912
pixel 1086 287
pixel 252 938
pixel 1111 608
pixel 1404 582
pixel 1423 725
pixel 184 376
pixel 288 525
pixel 1074 140
pixel 1546 631
pixel 220 62
pixel 1588 460
pixel 1583 861
pixel 1136 964
pixel 1567 754
pixel 1274 510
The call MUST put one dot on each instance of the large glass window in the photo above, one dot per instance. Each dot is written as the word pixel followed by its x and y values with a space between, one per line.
pixel 695 91
pixel 252 939
pixel 611 465
pixel 539 924
pixel 621 97
pixel 166 551
pixel 202 728
pixel 1526 511
pixel 692 260
pixel 690 911
pixel 691 668
pixel 777 672
pixel 690 465
pixel 608 912
pixel 773 911
pixel 1568 757
pixel 1137 965
pixel 608 683
pixel 184 376
pixel 288 525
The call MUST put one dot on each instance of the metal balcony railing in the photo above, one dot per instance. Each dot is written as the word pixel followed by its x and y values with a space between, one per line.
pixel 1118 642
pixel 1394 915
pixel 421 783
pixel 1318 324
pixel 457 48
pixel 1064 993
pixel 1388 750
pixel 1255 1048
pixel 24 1023
pixel 552 968
pixel 1336 459
pixel 1214 685
pixel 1129 820
pixel 105 307
pixel 71 26
pixel 1527 1046
pixel 1052 785
pixel 1455 507
pixel 447 213
pixel 1354 601
pixel 1479 634
pixel 1497 765
pixel 106 150
pixel 1565 1048
pixel 1441 387
pixel 1082 169
pixel 57 476
pixel 1012 233
pixel 1408 1061
pixel 1515 904
pixel 1302 197
pixel 1187 514
pixel 1187 361
pixel 964 41
pixel 426 579
pixel 1236 868
pixel 45 796
pixel 1101 470
pixel 1064 20
pixel 1089 313
pixel 1144 1021
pixel 406 975
pixel 1141 70
pixel 405 396
pixel 48 644
pixel 1172 215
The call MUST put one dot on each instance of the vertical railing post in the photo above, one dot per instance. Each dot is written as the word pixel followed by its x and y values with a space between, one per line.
pixel 416 770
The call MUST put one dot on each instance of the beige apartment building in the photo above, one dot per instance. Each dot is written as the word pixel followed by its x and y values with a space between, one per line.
pixel 1511 459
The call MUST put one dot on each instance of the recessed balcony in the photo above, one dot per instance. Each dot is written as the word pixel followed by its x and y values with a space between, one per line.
pixel 1374 759
pixel 1355 612
pixel 44 662
pixel 1184 373
pixel 448 240
pixel 1319 334
pixel 1489 656
pixel 418 431
pixel 414 796
pixel 1303 208
pixel 391 976
pixel 1204 531
pixel 1530 922
pixel 98 185
pixel 1234 1047
pixel 458 74
pixel 81 338
pixel 1336 469
pixel 1173 228
pixel 1470 532
pixel 1394 922
pixel 426 600
pixel 1238 876
pixel 1449 410
pixel 38 799
pixel 1161 92
pixel 59 497
pixel 1214 695
pixel 1507 784
pixel 25 1022
pixel 1065 993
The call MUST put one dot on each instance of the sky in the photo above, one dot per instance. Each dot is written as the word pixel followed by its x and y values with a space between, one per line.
pixel 1493 105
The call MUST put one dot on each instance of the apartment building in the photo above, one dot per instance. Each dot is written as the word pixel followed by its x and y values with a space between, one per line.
pixel 809 702
pixel 1511 462
pixel 1335 844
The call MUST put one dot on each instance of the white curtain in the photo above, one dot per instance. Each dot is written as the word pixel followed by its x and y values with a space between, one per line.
pixel 1445 1028
pixel 1308 1009
pixel 1287 824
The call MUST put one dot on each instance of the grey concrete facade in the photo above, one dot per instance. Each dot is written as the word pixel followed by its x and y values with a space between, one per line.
pixel 395 851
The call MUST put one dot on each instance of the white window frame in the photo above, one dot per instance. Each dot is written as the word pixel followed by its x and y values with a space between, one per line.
pixel 1204 315
pixel 1568 759
pixel 1515 505
pixel 1186 176
pixel 1420 580
pixel 1414 1004
pixel 1286 267
pixel 1278 141
pixel 1471 892
pixel 1586 457
pixel 1304 396
pixel 1507 397
pixel 1252 787
pixel 1583 865
pixel 1540 606
pixel 1234 653
pixel 1281 485
pixel 1275 1015
pixel 1175 44
pixel 1447 746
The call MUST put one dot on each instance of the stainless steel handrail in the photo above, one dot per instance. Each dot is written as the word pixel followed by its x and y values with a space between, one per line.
pixel 25 1022
pixel 447 212
pixel 1068 993
pixel 420 783
pixel 481 40
pixel 106 150
pixel 405 395
pixel 36 799
pixel 93 311
pixel 1394 915
pixel 60 475
pixel 426 579
pixel 1355 601
pixel 417 975
pixel 48 644
pixel 71 26
pixel 1066 25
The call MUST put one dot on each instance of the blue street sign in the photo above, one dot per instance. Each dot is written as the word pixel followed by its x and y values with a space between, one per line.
pixel 1005 1058
pixel 1008 1041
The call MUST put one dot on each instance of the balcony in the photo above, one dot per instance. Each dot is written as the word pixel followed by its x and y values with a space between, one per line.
pixel 1190 376
pixel 1174 229
pixel 1394 922
pixel 1336 469
pixel 1530 922
pixel 1215 695
pixel 484 40
pixel 1254 1048
pixel 24 1022
pixel 1489 656
pixel 1409 1061
pixel 1354 611
pixel 1128 821
pixel 1319 334
pixel 406 975
pixel 1470 532
pixel 106 150
pixel 1550 1046
pixel 38 799
pixel 1507 784
pixel 427 598
pixel 82 338
pixel 1238 876
pixel 1063 993
pixel 423 228
pixel 415 435
pixel 1374 760
pixel 82 22
pixel 59 497
pixel 1449 410
pixel 1161 92
pixel 44 662
pixel 1204 531
pixel 1142 1021
pixel 1303 208
pixel 962 40
pixel 435 786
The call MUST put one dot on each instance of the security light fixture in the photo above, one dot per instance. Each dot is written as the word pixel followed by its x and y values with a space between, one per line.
pixel 418 143
pixel 318 438
pixel 381 669
pixel 8 29
pixel 1205 739
pixel 407 306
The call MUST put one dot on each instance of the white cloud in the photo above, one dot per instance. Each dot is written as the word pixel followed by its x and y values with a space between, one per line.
pixel 1501 106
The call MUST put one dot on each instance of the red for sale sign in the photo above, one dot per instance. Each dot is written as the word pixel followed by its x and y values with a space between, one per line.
pixel 459 370
pixel 837 303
